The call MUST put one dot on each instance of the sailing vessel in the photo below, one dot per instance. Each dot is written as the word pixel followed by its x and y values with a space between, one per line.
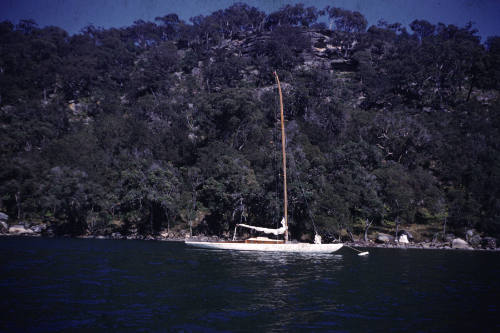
pixel 264 243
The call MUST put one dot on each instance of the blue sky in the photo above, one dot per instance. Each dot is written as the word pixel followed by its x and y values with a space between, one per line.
pixel 73 15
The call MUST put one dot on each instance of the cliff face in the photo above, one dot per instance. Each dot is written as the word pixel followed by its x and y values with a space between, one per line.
pixel 319 49
pixel 169 127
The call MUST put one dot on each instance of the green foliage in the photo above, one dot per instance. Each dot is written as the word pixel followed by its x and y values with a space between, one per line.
pixel 230 185
pixel 150 188
pixel 169 124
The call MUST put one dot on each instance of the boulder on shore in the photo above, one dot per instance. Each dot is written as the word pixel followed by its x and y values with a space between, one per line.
pixel 38 228
pixel 403 239
pixel 489 243
pixel 116 235
pixel 459 243
pixel 4 227
pixel 384 238
pixel 20 229
pixel 408 234
pixel 475 240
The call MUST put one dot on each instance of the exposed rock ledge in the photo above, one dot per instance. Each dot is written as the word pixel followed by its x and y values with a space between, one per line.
pixel 19 230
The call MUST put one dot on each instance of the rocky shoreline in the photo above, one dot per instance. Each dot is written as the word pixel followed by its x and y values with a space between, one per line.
pixel 369 244
pixel 473 240
pixel 418 245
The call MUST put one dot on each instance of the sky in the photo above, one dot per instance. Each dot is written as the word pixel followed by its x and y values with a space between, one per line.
pixel 73 15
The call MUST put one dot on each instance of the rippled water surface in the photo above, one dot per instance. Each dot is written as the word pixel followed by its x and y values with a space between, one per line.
pixel 76 284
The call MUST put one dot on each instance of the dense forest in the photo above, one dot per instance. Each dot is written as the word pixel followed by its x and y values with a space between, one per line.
pixel 174 126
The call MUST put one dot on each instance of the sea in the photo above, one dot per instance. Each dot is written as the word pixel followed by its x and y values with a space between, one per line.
pixel 80 285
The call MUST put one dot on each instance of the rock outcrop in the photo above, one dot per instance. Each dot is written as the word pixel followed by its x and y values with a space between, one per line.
pixel 4 227
pixel 38 228
pixel 409 235
pixel 475 241
pixel 384 238
pixel 489 243
pixel 116 235
pixel 403 239
pixel 19 229
pixel 459 243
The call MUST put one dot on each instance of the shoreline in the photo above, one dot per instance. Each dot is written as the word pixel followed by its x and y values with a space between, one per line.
pixel 371 244
pixel 417 246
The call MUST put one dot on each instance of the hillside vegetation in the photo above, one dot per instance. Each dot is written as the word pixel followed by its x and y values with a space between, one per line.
pixel 173 125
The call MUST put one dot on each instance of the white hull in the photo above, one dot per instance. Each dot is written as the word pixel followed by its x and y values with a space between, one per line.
pixel 288 247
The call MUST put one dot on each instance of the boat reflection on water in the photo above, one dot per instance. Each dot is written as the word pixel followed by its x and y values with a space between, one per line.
pixel 282 257
pixel 272 260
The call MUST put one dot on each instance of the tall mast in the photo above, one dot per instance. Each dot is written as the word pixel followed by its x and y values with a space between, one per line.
pixel 283 142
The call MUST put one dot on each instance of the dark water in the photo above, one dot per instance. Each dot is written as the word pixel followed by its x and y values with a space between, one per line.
pixel 80 285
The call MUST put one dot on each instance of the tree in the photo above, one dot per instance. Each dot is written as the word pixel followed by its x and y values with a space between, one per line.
pixel 68 195
pixel 346 20
pixel 422 28
pixel 229 187
pixel 398 194
pixel 193 212
pixel 292 15
pixel 492 72
pixel 152 187
pixel 170 26
pixel 284 46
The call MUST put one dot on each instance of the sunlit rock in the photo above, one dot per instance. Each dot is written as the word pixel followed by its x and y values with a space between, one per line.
pixel 403 239
pixel 459 243
pixel 20 229
pixel 384 238
pixel 409 236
